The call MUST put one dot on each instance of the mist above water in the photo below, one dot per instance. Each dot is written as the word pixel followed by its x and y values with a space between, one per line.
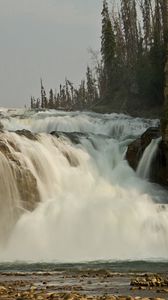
pixel 92 204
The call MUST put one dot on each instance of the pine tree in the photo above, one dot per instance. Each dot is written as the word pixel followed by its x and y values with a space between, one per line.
pixel 90 83
pixel 81 95
pixel 32 104
pixel 147 22
pixel 164 13
pixel 44 102
pixel 51 99
pixel 129 17
pixel 107 49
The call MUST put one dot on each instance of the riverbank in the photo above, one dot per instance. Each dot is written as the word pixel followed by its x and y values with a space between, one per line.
pixel 139 112
pixel 82 284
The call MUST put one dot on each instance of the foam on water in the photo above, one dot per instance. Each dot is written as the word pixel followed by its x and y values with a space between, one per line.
pixel 93 205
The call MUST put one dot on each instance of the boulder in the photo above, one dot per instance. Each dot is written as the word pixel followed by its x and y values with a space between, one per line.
pixel 1 127
pixel 159 168
pixel 28 134
pixel 136 148
pixel 74 137
pixel 160 165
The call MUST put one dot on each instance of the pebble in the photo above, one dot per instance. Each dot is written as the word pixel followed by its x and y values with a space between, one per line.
pixel 149 281
pixel 40 297
pixel 3 289
pixel 30 290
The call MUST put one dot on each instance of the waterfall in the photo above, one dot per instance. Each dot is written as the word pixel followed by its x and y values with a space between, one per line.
pixel 144 167
pixel 71 196
pixel 9 198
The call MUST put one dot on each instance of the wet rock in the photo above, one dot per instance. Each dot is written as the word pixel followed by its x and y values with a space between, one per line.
pixel 28 134
pixel 39 297
pixel 27 187
pixel 134 153
pixel 1 127
pixel 74 137
pixel 142 288
pixel 136 148
pixel 73 161
pixel 25 180
pixel 158 298
pixel 149 281
pixel 18 185
pixel 133 288
pixel 3 290
pixel 4 148
pixel 159 167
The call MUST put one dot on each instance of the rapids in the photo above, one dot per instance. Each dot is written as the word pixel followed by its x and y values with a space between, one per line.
pixel 93 206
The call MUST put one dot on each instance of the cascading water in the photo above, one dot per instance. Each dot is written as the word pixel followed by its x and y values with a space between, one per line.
pixel 144 167
pixel 89 203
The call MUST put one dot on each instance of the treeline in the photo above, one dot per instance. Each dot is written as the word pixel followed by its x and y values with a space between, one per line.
pixel 133 52
pixel 68 97
pixel 130 74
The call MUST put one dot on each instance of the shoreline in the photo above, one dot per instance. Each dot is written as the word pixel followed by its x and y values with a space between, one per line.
pixel 82 284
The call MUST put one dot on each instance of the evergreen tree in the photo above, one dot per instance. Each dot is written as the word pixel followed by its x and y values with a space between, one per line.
pixel 164 12
pixel 44 102
pixel 147 23
pixel 90 82
pixel 32 104
pixel 131 70
pixel 129 18
pixel 51 99
pixel 107 49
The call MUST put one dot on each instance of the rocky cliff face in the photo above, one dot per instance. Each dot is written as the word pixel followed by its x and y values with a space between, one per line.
pixel 25 180
pixel 19 189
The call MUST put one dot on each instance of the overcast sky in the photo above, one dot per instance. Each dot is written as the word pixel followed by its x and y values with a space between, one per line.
pixel 44 38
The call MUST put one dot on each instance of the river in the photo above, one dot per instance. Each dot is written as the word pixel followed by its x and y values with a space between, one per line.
pixel 92 206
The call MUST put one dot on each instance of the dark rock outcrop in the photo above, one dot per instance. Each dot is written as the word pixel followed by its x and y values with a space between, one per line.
pixel 137 147
pixel 28 134
pixel 159 167
pixel 1 126
pixel 74 137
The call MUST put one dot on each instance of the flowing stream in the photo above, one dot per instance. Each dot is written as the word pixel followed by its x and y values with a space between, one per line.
pixel 91 205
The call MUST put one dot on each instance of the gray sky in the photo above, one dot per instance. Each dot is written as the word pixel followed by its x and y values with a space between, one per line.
pixel 44 38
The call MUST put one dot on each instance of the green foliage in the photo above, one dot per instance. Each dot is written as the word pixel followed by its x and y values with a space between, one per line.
pixel 108 47
pixel 137 57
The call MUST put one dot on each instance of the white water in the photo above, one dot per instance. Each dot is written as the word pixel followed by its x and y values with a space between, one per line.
pixel 148 156
pixel 93 205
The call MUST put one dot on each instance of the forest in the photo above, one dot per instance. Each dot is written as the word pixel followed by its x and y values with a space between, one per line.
pixel 129 76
